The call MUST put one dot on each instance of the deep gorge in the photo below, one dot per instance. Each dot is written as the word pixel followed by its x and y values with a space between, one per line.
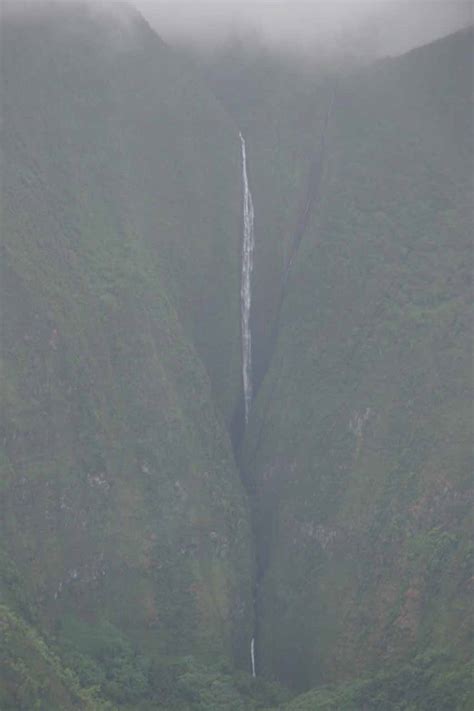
pixel 311 197
pixel 152 523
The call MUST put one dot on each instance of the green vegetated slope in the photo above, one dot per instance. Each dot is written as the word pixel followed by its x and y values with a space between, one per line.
pixel 428 682
pixel 121 505
pixel 159 141
pixel 359 443
pixel 32 676
pixel 125 553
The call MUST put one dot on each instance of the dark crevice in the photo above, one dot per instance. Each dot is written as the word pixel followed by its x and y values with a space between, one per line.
pixel 238 425
pixel 313 193
pixel 237 429
pixel 309 204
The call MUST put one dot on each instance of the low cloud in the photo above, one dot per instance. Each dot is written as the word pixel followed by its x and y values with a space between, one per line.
pixel 375 26
pixel 372 27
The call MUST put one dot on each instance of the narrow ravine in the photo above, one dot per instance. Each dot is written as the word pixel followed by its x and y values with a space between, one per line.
pixel 311 200
pixel 310 204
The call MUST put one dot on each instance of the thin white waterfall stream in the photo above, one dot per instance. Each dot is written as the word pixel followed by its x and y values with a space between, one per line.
pixel 248 244
pixel 252 656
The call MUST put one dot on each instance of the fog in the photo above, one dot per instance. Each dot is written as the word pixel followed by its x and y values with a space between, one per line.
pixel 372 27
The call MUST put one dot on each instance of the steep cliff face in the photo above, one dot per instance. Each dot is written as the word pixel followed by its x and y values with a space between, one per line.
pixel 105 102
pixel 281 110
pixel 359 444
pixel 126 552
pixel 120 499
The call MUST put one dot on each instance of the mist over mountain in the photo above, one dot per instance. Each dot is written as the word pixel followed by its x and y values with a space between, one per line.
pixel 310 27
pixel 235 356
pixel 372 27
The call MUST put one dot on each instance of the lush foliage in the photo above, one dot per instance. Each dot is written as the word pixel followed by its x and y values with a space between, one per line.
pixel 430 682
pixel 127 561
pixel 120 500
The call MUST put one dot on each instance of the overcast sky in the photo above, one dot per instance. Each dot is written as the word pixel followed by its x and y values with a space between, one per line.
pixel 369 26
pixel 386 26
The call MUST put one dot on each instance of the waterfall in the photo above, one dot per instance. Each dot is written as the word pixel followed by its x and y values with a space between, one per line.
pixel 252 656
pixel 248 244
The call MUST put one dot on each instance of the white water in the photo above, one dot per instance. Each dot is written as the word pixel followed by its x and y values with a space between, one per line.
pixel 248 245
pixel 252 656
